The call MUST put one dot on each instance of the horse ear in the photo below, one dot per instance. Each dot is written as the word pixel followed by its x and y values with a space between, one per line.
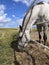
pixel 20 27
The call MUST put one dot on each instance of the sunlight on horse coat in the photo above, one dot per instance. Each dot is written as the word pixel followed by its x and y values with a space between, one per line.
pixel 38 13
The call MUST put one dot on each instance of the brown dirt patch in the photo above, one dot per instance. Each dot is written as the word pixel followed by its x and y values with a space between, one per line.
pixel 33 55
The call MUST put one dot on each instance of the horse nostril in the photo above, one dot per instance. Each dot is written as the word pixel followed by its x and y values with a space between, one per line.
pixel 20 37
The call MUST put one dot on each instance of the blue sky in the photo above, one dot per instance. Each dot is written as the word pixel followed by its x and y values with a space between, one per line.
pixel 12 12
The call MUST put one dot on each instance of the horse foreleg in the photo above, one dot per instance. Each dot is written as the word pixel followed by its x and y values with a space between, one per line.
pixel 39 38
pixel 45 38
pixel 45 33
pixel 39 29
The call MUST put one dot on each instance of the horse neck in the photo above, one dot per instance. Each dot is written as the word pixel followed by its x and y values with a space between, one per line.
pixel 26 21
pixel 31 17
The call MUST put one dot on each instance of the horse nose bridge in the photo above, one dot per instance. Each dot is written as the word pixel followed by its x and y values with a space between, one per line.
pixel 20 34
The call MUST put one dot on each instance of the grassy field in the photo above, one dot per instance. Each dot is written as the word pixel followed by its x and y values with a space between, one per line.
pixel 8 56
pixel 6 52
pixel 7 36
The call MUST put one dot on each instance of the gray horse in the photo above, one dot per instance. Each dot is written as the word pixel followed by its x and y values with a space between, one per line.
pixel 37 13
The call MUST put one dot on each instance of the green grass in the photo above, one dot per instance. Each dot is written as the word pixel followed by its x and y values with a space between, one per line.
pixel 6 52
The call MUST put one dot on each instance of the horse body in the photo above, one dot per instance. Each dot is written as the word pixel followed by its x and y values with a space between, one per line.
pixel 35 13
pixel 38 13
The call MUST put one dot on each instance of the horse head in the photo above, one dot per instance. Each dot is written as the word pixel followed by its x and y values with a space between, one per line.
pixel 22 41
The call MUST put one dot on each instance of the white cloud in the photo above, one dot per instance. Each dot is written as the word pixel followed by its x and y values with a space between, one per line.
pixel 4 19
pixel 1 24
pixel 28 2
pixel 19 21
pixel 46 0
pixel 13 16
pixel 14 24
pixel 2 7
pixel 3 15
